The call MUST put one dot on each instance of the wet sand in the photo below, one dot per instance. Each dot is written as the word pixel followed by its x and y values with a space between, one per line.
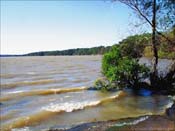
pixel 164 122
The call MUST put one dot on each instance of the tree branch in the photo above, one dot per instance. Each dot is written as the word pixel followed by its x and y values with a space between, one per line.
pixel 139 11
pixel 134 6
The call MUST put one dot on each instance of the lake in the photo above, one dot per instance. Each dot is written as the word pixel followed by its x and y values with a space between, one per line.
pixel 40 93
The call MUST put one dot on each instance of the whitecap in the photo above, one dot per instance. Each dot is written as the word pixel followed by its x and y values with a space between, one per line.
pixel 72 106
pixel 169 104
pixel 31 73
pixel 69 106
pixel 67 96
pixel 21 129
pixel 13 92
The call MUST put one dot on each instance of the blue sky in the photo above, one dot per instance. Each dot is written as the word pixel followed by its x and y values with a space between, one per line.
pixel 28 26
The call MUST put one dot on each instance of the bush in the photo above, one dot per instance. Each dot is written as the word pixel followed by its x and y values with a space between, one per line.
pixel 110 59
pixel 122 71
pixel 104 84
pixel 101 84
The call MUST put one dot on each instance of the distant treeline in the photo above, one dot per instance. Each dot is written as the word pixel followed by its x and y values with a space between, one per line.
pixel 79 51
pixel 10 55
pixel 134 46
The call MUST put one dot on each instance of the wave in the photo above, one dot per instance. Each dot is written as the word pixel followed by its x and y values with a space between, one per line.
pixel 52 109
pixel 27 120
pixel 7 76
pixel 15 94
pixel 10 76
pixel 72 106
pixel 27 83
pixel 69 107
pixel 31 73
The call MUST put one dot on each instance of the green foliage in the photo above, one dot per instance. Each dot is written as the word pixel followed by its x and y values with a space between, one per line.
pixel 133 46
pixel 110 59
pixel 122 70
pixel 163 54
pixel 104 85
pixel 148 51
pixel 101 84
pixel 139 46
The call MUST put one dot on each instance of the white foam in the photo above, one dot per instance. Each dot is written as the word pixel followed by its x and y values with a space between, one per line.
pixel 67 96
pixel 13 92
pixel 133 122
pixel 31 73
pixel 169 105
pixel 139 120
pixel 172 97
pixel 21 129
pixel 69 107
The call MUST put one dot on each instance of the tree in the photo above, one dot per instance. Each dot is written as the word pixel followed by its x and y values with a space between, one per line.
pixel 157 14
pixel 133 46
pixel 122 71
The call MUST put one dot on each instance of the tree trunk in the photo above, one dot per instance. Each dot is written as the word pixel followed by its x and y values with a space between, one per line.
pixel 155 57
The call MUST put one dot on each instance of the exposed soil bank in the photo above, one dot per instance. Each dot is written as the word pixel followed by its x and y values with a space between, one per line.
pixel 164 122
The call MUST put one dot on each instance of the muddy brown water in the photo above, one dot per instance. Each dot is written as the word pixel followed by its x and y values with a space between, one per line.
pixel 38 93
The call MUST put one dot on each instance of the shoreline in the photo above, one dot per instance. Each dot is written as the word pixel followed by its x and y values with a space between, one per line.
pixel 141 123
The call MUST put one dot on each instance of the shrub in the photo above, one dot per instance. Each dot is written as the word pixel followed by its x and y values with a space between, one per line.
pixel 101 84
pixel 122 71
pixel 110 59
pixel 104 84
